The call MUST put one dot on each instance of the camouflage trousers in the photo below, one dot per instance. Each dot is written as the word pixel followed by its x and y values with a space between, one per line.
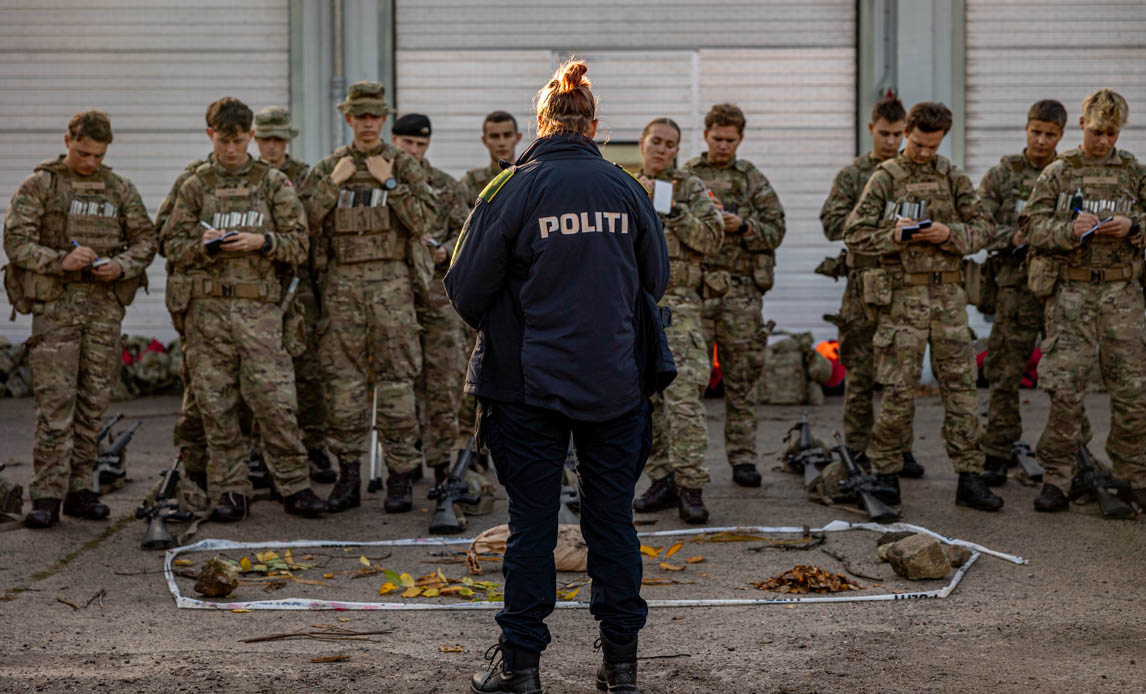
pixel 235 354
pixel 1018 320
pixel 369 329
pixel 1089 325
pixel 189 436
pixel 308 376
pixel 467 409
pixel 680 431
pixel 735 322
pixel 918 316
pixel 74 354
pixel 439 386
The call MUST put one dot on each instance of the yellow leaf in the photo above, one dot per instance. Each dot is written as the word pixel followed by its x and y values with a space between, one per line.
pixel 573 593
pixel 441 575
pixel 182 562
pixel 328 575
pixel 452 589
pixel 695 560
pixel 465 592
pixel 671 567
pixel 406 580
pixel 288 557
pixel 650 552
pixel 240 611
pixel 386 588
pixel 245 564
pixel 344 619
pixel 673 550
pixel 430 593
pixel 364 561
pixel 412 592
pixel 451 649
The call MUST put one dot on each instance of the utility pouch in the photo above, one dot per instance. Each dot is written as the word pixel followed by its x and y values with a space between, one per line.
pixel 876 287
pixel 988 287
pixel 716 283
pixel 762 271
pixel 1042 275
pixel 972 281
pixel 834 266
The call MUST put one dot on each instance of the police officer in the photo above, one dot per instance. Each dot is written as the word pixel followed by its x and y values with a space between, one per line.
pixel 78 241
pixel 550 269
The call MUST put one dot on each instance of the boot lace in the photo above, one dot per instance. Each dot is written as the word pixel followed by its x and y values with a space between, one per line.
pixel 495 657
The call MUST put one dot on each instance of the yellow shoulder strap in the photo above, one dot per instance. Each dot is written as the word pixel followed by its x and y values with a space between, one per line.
pixel 494 187
pixel 632 175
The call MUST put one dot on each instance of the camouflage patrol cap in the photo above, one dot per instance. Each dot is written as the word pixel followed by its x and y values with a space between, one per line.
pixel 274 121
pixel 365 98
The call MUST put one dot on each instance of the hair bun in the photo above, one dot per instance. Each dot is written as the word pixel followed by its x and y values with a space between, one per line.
pixel 573 77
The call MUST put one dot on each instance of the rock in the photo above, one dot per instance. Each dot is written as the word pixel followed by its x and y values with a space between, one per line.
pixel 886 540
pixel 218 579
pixel 918 557
pixel 957 556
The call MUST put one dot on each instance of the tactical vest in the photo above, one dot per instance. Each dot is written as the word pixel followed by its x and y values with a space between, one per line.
pixel 684 263
pixel 237 203
pixel 1106 190
pixel 926 194
pixel 854 259
pixel 293 170
pixel 360 225
pixel 1022 184
pixel 732 192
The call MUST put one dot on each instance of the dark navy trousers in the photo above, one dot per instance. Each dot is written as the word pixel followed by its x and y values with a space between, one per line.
pixel 528 446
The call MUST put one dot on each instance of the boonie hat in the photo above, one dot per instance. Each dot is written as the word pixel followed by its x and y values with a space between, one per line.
pixel 274 121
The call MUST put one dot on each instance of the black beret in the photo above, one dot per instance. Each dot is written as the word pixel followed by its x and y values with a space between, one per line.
pixel 412 124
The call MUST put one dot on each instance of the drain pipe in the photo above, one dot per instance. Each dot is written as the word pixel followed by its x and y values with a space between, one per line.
pixel 337 76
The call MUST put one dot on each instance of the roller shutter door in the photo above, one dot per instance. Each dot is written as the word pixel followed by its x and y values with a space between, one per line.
pixel 153 65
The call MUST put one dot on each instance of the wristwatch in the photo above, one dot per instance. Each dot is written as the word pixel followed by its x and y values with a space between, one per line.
pixel 390 183
pixel 1135 227
pixel 267 244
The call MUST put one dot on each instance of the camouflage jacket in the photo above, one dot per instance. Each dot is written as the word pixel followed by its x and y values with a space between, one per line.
pixel 40 223
pixel 693 228
pixel 1002 193
pixel 450 210
pixel 475 180
pixel 846 189
pixel 1113 185
pixel 741 184
pixel 901 187
pixel 295 170
pixel 168 204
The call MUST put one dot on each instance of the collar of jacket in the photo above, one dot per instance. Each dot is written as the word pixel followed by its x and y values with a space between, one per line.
pixel 559 146
pixel 224 171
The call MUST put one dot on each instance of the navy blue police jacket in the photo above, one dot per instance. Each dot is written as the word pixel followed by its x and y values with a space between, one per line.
pixel 554 267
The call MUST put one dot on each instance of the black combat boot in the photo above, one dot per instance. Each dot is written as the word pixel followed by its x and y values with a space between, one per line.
pixel 911 467
pixel 1051 500
pixel 691 506
pixel 230 508
pixel 511 671
pixel 995 470
pixel 972 491
pixel 746 475
pixel 347 490
pixel 417 474
pixel 618 671
pixel 44 514
pixel 305 503
pixel 85 504
pixel 660 495
pixel 320 470
pixel 199 478
pixel 887 489
pixel 399 492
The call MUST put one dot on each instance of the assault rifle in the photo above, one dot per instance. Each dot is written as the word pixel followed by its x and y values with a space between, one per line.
pixel 164 508
pixel 864 486
pixel 454 490
pixel 108 470
pixel 1093 480
pixel 570 492
pixel 1023 455
pixel 377 456
pixel 808 458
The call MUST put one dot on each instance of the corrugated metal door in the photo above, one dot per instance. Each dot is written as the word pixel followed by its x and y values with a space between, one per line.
pixel 154 66
pixel 792 68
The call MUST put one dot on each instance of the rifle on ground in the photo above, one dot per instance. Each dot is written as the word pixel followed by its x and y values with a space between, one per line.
pixel 570 491
pixel 864 486
pixel 164 508
pixel 377 456
pixel 1093 480
pixel 106 428
pixel 108 470
pixel 808 458
pixel 454 490
pixel 1023 455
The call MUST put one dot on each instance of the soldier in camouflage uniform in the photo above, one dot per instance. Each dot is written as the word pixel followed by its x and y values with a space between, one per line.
pixel 693 229
pixel 273 132
pixel 439 387
pixel 918 295
pixel 230 293
pixel 856 328
pixel 737 277
pixel 1018 313
pixel 1094 305
pixel 78 241
pixel 369 204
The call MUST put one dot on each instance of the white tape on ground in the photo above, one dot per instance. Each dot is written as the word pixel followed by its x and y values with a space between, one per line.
pixel 305 604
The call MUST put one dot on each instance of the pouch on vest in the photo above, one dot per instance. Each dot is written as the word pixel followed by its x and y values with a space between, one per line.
pixel 762 271
pixel 294 329
pixel 421 266
pixel 1042 274
pixel 716 283
pixel 358 220
pixel 177 298
pixel 988 299
pixel 972 281
pixel 876 287
pixel 353 248
pixel 14 287
pixel 834 266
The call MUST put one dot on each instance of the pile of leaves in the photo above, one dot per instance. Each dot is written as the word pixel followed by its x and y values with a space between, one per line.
pixel 654 553
pixel 437 584
pixel 807 579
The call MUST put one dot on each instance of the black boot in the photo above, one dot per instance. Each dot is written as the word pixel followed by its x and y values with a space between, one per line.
pixel 514 672
pixel 417 474
pixel 746 475
pixel 231 508
pixel 85 504
pixel 320 470
pixel 1051 500
pixel 618 671
pixel 995 470
pixel 660 495
pixel 347 490
pixel 888 491
pixel 44 514
pixel 399 492
pixel 911 467
pixel 972 491
pixel 691 506
pixel 305 503
pixel 199 478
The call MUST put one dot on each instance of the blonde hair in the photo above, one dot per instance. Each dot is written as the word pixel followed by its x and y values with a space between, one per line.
pixel 566 104
pixel 1105 109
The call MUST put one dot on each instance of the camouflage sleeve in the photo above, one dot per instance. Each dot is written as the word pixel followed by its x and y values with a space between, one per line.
pixel 454 195
pixel 22 228
pixel 289 240
pixel 866 231
pixel 698 225
pixel 992 194
pixel 1041 227
pixel 1139 239
pixel 298 179
pixel 163 214
pixel 183 236
pixel 839 204
pixel 413 200
pixel 469 189
pixel 319 194
pixel 138 230
pixel 973 231
pixel 767 219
